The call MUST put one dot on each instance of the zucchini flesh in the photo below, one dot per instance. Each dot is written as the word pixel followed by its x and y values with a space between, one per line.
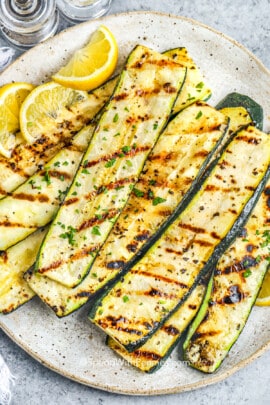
pixel 238 277
pixel 129 127
pixel 14 291
pixel 150 356
pixel 189 247
pixel 171 172
pixel 194 87
pixel 34 203
pixel 27 158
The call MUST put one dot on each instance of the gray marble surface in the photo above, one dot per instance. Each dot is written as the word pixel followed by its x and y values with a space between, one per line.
pixel 248 23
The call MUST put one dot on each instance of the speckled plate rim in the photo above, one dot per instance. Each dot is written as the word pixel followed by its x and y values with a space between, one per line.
pixel 214 378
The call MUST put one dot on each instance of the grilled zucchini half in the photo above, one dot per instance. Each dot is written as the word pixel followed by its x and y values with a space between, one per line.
pixel 27 158
pixel 170 174
pixel 14 262
pixel 127 131
pixel 189 247
pixel 35 203
pixel 237 280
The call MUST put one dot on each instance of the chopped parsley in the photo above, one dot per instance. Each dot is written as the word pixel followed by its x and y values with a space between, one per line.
pixel 69 235
pixel 110 163
pixel 96 231
pixel 158 200
pixel 138 192
pixel 125 298
pixel 115 118
pixel 199 115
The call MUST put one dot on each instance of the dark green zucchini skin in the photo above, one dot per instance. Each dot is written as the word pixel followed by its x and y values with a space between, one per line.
pixel 241 100
pixel 104 311
pixel 237 280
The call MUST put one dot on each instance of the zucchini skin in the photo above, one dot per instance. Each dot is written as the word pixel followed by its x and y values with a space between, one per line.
pixel 198 235
pixel 149 84
pixel 14 291
pixel 237 280
pixel 27 158
pixel 182 141
pixel 240 100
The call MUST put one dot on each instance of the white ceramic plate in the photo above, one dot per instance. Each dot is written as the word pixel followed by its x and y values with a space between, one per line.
pixel 72 346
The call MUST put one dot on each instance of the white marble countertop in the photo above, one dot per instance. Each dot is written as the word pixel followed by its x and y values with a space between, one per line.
pixel 248 23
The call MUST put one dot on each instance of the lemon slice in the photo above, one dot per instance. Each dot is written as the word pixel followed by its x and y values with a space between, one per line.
pixel 92 65
pixel 11 97
pixel 46 108
pixel 263 298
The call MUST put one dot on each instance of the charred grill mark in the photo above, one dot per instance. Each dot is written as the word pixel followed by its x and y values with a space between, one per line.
pixel 202 154
pixel 191 228
pixel 98 220
pixel 115 264
pixel 248 139
pixel 192 306
pixel 134 150
pixel 9 224
pixel 76 256
pixel 161 278
pixel 250 188
pixel 146 355
pixel 164 213
pixel 237 267
pixel 56 174
pixel 132 247
pixel 4 255
pixel 171 330
pixel 215 235
pixel 201 242
pixel 120 97
pixel 154 292
pixel 71 201
pixel 169 88
pixel 234 296
pixel 163 156
pixel 142 236
pixel 175 252
pixel 113 322
pixel 42 198
pixel 110 186
pixel 203 335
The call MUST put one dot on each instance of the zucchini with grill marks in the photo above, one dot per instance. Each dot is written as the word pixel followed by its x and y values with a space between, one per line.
pixel 238 277
pixel 171 172
pixel 26 158
pixel 158 347
pixel 189 247
pixel 150 356
pixel 34 203
pixel 127 131
pixel 81 140
pixel 14 262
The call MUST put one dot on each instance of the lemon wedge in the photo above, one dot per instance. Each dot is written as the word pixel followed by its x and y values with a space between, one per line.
pixel 263 298
pixel 92 65
pixel 11 97
pixel 46 108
